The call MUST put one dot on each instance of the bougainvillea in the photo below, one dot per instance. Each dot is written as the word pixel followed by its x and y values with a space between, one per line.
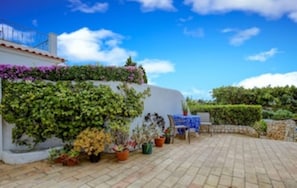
pixel 129 74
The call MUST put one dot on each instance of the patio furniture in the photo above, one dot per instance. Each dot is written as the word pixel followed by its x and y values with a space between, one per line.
pixel 175 125
pixel 205 120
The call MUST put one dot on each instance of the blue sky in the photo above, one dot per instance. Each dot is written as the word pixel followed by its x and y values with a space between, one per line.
pixel 189 45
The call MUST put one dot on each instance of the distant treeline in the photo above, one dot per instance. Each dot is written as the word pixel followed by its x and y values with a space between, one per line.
pixel 270 98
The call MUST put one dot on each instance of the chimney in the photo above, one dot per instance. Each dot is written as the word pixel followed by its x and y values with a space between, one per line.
pixel 52 43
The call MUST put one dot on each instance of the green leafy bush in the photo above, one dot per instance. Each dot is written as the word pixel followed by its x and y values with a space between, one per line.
pixel 282 114
pixel 63 109
pixel 260 127
pixel 267 114
pixel 231 114
pixel 130 74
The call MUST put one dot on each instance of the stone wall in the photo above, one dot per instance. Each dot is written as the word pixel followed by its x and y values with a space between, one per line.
pixel 239 129
pixel 281 130
pixel 277 130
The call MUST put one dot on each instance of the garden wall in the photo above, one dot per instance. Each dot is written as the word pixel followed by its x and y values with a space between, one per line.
pixel 162 100
pixel 238 129
pixel 282 130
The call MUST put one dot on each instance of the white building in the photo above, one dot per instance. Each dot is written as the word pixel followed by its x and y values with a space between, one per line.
pixel 23 46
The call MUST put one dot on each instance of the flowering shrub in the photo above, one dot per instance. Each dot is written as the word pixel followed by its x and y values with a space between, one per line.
pixel 131 74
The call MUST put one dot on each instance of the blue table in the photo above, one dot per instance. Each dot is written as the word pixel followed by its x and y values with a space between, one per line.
pixel 192 121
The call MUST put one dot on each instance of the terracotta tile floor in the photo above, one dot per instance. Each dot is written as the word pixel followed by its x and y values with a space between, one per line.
pixel 223 160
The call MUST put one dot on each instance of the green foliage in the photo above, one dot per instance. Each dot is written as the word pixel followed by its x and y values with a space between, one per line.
pixel 267 114
pixel 131 63
pixel 260 127
pixel 231 114
pixel 63 109
pixel 282 114
pixel 130 74
pixel 268 97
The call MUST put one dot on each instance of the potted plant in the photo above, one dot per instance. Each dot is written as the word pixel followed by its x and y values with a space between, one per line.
pixel 159 125
pixel 122 150
pixel 122 145
pixel 185 108
pixel 71 158
pixel 143 137
pixel 67 158
pixel 167 134
pixel 145 134
pixel 55 155
pixel 92 141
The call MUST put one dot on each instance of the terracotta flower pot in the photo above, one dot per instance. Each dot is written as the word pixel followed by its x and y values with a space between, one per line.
pixel 159 141
pixel 70 161
pixel 61 158
pixel 122 155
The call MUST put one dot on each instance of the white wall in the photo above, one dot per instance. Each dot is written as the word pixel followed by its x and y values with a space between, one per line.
pixel 13 57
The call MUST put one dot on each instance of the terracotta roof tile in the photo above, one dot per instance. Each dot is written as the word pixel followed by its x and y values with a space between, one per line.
pixel 29 50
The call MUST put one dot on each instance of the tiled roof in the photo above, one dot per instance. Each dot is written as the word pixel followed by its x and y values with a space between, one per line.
pixel 18 47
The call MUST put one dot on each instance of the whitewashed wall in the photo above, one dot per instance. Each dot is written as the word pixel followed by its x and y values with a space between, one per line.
pixel 13 57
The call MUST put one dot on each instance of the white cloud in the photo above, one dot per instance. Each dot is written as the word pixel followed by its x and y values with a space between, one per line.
pixel 155 67
pixel 189 18
pixel 199 32
pixel 293 16
pixel 87 46
pixel 263 56
pixel 273 80
pixel 77 5
pixel 151 5
pixel 241 35
pixel 267 8
pixel 228 30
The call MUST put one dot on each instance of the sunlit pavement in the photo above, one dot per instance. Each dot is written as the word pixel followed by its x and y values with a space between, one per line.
pixel 221 160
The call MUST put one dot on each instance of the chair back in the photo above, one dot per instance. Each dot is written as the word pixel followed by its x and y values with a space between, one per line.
pixel 171 120
pixel 204 117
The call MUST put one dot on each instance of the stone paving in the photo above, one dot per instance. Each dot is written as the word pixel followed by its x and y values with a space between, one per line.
pixel 223 160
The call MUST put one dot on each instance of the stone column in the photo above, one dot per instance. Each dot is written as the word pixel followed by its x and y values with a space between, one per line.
pixel 52 43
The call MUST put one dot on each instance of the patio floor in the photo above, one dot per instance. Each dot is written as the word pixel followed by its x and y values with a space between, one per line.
pixel 223 160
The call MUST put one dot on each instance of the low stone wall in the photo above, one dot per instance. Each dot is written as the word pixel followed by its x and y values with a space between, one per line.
pixel 239 129
pixel 285 130
pixel 281 130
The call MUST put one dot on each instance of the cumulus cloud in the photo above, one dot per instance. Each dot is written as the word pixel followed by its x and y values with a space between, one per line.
pixel 77 5
pixel 268 8
pixel 241 35
pixel 293 16
pixel 269 79
pixel 87 46
pixel 263 56
pixel 151 5
pixel 199 32
pixel 155 67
